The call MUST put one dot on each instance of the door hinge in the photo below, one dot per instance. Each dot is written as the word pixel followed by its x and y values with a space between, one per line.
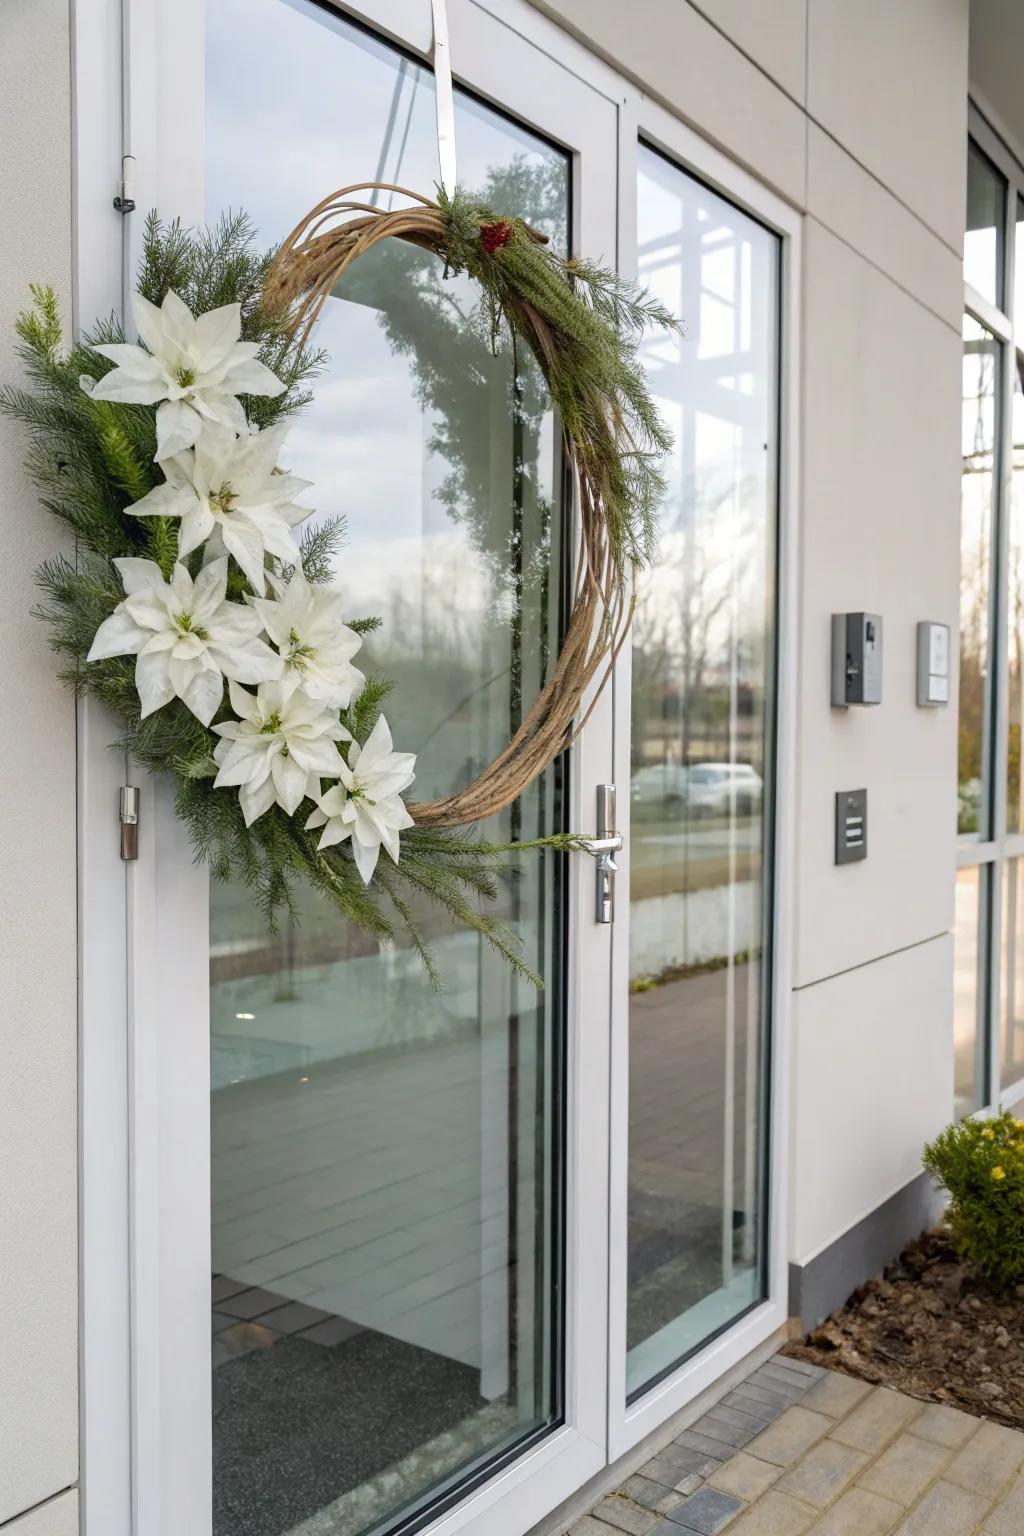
pixel 124 202
pixel 129 818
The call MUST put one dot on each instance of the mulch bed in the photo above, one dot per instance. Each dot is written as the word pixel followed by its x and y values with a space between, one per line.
pixel 929 1328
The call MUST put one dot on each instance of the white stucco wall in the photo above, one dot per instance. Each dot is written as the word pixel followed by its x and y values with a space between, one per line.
pixel 38 1095
pixel 857 114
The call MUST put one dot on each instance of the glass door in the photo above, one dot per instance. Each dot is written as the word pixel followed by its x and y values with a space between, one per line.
pixel 401 1184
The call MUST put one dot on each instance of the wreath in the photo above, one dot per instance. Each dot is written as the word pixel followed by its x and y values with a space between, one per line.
pixel 200 611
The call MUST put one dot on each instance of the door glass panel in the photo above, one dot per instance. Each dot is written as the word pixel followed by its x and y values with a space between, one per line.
pixel 386 1160
pixel 703 667
pixel 1015 608
pixel 978 483
pixel 968 990
pixel 1012 975
pixel 986 223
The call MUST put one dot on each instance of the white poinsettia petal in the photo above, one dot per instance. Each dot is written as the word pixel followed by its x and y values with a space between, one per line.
pixel 376 745
pixel 121 387
pixel 245 705
pixel 248 376
pixel 177 427
pixel 149 322
pixel 137 574
pixel 117 636
pixel 366 856
pixel 315 819
pixel 255 800
pixel 196 526
pixel 220 407
pixel 241 764
pixel 316 756
pixel 289 781
pixel 181 586
pixel 334 832
pixel 208 593
pixel 177 322
pixel 164 501
pixel 203 691
pixel 250 662
pixel 245 543
pixel 152 680
pixel 215 334
pixel 131 361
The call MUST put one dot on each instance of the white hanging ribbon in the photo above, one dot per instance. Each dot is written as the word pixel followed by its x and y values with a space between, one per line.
pixel 444 97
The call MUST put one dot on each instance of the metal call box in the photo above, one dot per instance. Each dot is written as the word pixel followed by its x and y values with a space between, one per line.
pixel 856 659
pixel 851 825
pixel 932 664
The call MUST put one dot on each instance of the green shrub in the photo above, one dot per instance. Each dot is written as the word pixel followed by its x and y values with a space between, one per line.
pixel 981 1164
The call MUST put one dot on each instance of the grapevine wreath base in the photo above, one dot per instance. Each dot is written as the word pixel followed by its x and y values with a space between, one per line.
pixel 200 611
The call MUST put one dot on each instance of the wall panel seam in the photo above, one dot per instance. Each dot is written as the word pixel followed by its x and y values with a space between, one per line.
pixel 33 1509
pixel 861 965
pixel 921 303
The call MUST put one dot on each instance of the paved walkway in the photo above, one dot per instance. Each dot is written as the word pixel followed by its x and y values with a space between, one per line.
pixel 797 1450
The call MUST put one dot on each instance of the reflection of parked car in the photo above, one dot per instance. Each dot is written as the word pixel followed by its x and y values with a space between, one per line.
pixel 659 787
pixel 716 787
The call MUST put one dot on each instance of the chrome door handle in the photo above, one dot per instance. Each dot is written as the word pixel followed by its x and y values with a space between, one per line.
pixel 602 847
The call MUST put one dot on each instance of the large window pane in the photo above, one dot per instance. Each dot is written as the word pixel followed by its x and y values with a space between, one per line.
pixel 980 371
pixel 386 1161
pixel 703 659
pixel 1012 975
pixel 969 991
pixel 1015 609
pixel 986 223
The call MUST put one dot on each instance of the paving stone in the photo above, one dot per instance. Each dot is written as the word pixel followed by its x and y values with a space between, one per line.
pixel 946 1426
pixel 945 1510
pixel 654 1496
pixel 588 1526
pixel 716 1427
pixel 776 1514
pixel 756 1400
pixel 625 1516
pixel 707 1441
pixel 801 1367
pixel 835 1395
pixel 904 1471
pixel 745 1476
pixel 728 1413
pixel 672 1470
pixel 989 1460
pixel 1007 1519
pixel 694 1458
pixel 793 1433
pixel 706 1512
pixel 858 1513
pixel 793 1387
pixel 875 1421
pixel 821 1475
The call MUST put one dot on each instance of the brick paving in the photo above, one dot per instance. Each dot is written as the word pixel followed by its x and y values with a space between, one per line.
pixel 798 1451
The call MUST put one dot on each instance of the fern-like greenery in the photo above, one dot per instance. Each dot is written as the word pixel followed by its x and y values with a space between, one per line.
pixel 91 459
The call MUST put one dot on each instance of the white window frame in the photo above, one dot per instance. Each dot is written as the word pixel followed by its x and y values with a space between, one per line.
pixel 990 856
pixel 644 120
pixel 136 1461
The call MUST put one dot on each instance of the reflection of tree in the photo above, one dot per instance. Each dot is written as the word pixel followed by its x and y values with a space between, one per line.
pixel 975 586
pixel 688 622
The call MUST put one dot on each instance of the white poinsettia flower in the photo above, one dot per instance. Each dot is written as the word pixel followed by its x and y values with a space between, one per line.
pixel 186 635
pixel 229 487
pixel 367 804
pixel 278 748
pixel 195 366
pixel 315 643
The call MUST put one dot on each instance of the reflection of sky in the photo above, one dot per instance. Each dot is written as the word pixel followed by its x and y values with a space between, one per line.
pixel 298 104
pixel 715 388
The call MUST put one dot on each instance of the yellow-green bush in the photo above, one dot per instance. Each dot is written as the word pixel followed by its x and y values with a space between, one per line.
pixel 981 1164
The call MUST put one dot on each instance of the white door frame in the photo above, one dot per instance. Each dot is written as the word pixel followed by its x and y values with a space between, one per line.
pixel 642 119
pixel 137 1157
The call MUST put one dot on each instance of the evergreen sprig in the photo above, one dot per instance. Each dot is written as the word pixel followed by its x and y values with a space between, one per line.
pixel 91 460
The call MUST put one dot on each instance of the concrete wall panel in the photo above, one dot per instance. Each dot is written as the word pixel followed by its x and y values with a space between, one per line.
pixel 774 36
pixel 57 1517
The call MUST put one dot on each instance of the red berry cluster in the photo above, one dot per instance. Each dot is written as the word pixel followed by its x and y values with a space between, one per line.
pixel 494 236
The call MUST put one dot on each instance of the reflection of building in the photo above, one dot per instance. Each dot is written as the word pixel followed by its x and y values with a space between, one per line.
pixel 472 1248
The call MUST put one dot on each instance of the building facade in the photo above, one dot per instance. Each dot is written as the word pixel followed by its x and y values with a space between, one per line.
pixel 476 1253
